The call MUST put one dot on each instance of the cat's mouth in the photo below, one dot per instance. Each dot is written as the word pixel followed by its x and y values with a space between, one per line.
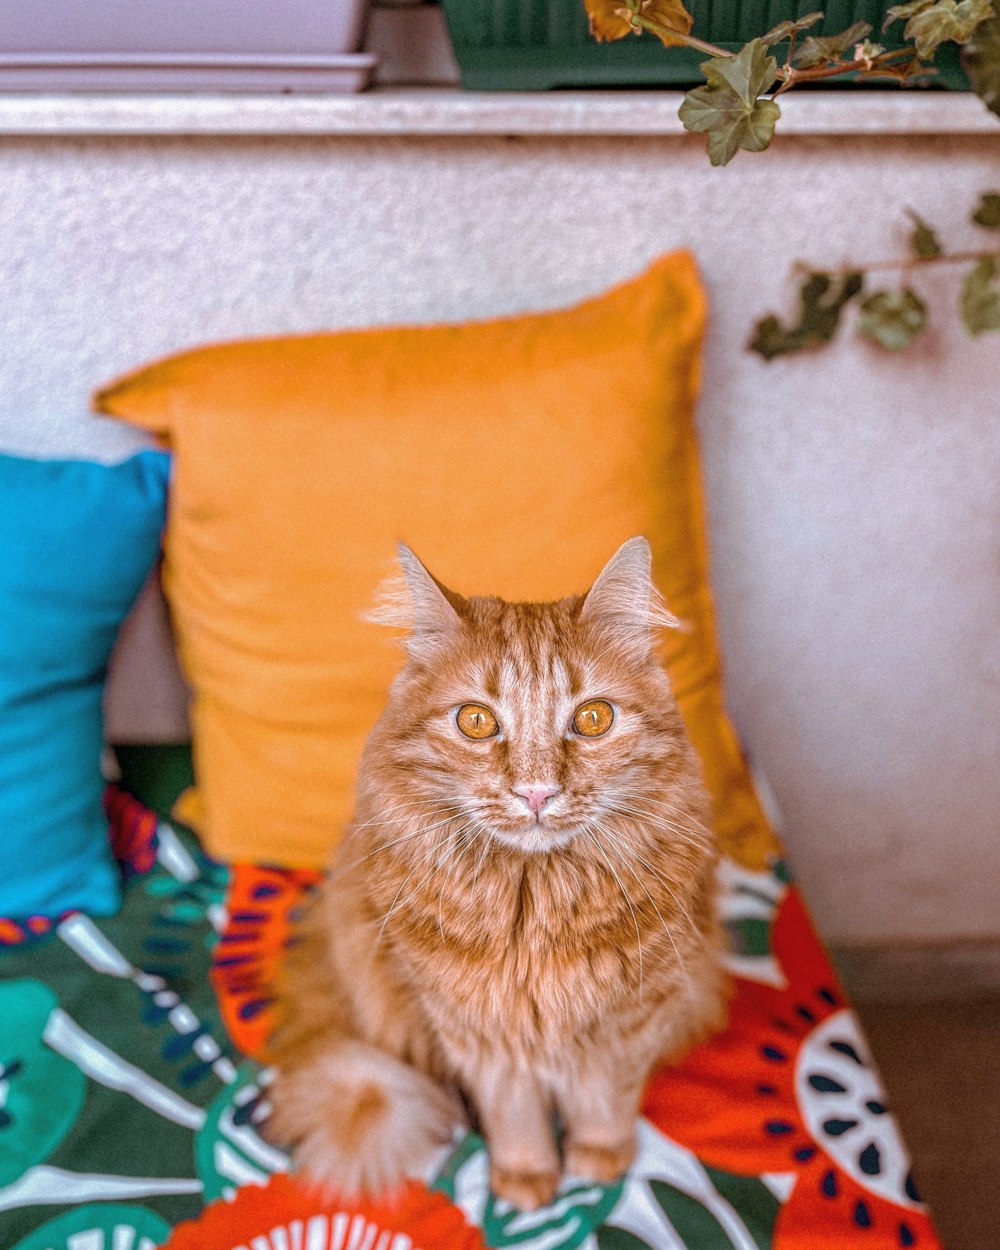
pixel 537 837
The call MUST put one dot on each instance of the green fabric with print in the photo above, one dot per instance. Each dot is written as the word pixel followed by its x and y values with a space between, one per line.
pixel 111 1052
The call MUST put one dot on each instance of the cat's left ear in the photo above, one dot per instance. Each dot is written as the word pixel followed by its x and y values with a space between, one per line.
pixel 624 600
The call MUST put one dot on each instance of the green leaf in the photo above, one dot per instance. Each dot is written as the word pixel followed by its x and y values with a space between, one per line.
pixel 228 1145
pixel 988 212
pixel 981 61
pixel 758 1207
pixel 892 318
pixel 99 1224
pixel 785 30
pixel 750 936
pixel 728 108
pixel 923 241
pixel 905 11
pixel 953 20
pixel 694 1223
pixel 609 1237
pixel 980 306
pixel 41 1092
pixel 815 49
pixel 822 298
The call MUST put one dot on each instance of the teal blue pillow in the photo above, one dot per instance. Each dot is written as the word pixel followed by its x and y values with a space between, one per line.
pixel 77 541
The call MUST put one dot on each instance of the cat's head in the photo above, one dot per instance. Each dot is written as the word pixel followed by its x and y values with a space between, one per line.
pixel 532 722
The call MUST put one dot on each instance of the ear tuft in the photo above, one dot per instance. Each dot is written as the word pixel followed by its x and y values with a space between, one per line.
pixel 624 600
pixel 413 599
pixel 392 606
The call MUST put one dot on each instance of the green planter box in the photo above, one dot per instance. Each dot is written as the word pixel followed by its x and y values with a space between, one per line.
pixel 534 45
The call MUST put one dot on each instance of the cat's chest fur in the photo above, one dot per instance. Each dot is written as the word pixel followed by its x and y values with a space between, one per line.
pixel 542 948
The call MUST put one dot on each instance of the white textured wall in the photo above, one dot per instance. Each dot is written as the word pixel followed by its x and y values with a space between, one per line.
pixel 853 497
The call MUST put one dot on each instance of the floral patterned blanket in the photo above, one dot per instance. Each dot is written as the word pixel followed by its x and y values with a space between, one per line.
pixel 132 1081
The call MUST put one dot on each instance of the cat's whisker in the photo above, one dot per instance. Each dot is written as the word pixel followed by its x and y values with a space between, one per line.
pixel 658 821
pixel 465 840
pixel 645 801
pixel 422 831
pixel 628 902
pixel 624 853
pixel 391 813
pixel 395 902
pixel 482 856
pixel 450 856
pixel 660 811
pixel 664 882
pixel 442 844
pixel 651 868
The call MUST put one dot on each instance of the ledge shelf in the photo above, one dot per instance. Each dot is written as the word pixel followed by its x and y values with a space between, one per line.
pixel 431 111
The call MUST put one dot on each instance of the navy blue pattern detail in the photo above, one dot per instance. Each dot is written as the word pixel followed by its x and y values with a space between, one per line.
pixel 845 1048
pixel 870 1161
pixel 836 1128
pixel 253 1007
pixel 166 946
pixel 194 1073
pixel 263 890
pixel 825 1084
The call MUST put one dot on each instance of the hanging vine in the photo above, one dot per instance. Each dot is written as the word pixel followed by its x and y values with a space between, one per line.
pixel 736 108
pixel 892 316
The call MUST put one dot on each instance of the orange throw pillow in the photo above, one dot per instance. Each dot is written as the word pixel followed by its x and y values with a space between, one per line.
pixel 513 455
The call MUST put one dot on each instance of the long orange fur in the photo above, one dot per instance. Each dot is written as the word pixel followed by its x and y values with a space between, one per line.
pixel 464 945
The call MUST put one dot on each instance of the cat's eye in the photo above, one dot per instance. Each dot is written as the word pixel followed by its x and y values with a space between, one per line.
pixel 594 718
pixel 476 721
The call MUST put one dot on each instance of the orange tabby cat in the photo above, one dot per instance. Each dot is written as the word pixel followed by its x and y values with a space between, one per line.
pixel 522 911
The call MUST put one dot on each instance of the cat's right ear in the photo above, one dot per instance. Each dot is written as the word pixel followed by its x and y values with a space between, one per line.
pixel 624 601
pixel 418 603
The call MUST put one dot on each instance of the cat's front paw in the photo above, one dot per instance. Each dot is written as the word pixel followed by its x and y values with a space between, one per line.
pixel 604 1164
pixel 525 1190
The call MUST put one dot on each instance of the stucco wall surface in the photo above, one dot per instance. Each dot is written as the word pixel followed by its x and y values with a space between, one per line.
pixel 853 496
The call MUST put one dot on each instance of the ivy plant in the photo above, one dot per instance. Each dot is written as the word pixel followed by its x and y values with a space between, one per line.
pixel 736 108
pixel 892 316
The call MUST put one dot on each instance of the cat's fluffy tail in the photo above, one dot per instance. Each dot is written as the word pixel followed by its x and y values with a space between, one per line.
pixel 359 1120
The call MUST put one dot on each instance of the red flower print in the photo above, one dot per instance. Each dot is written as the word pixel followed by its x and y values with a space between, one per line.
pixel 283 1214
pixel 790 1089
pixel 132 826
pixel 261 904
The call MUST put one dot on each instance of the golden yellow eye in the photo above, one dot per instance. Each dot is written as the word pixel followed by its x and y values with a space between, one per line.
pixel 476 721
pixel 594 718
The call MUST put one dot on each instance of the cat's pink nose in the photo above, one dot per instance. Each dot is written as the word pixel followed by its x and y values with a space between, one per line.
pixel 537 796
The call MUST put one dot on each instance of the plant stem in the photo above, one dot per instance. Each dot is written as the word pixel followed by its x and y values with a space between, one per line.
pixel 657 28
pixel 791 75
pixel 906 262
